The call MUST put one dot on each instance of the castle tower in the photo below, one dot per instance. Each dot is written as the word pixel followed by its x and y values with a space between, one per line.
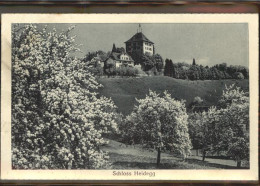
pixel 139 44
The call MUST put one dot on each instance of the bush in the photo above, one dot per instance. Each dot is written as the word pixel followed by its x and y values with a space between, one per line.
pixel 96 71
pixel 126 71
pixel 239 75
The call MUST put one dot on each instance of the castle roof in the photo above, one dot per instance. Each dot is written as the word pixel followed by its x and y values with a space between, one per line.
pixel 139 37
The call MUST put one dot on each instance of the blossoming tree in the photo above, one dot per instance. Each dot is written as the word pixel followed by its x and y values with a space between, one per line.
pixel 232 126
pixel 224 130
pixel 57 118
pixel 159 123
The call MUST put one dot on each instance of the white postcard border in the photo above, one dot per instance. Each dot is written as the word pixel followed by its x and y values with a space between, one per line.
pixel 7 173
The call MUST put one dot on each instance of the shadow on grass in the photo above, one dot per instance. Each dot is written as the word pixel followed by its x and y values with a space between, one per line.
pixel 208 164
pixel 187 164
pixel 219 157
pixel 120 161
pixel 144 165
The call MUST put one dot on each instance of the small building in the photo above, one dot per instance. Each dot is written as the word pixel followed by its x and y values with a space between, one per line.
pixel 120 59
pixel 139 44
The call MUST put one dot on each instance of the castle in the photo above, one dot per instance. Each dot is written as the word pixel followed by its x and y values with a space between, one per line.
pixel 138 44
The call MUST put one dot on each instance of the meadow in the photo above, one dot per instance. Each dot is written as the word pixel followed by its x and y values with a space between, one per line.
pixel 135 157
pixel 123 91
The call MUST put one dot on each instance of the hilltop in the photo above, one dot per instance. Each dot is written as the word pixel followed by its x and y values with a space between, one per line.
pixel 123 91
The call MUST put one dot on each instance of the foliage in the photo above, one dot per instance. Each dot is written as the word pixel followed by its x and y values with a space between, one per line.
pixel 168 69
pixel 126 71
pixel 94 62
pixel 118 50
pixel 90 55
pixel 110 67
pixel 158 62
pixel 239 75
pixel 193 62
pixel 152 61
pixel 232 95
pixel 159 123
pixel 149 62
pixel 202 130
pixel 197 104
pixel 233 124
pixel 96 70
pixel 224 130
pixel 57 119
pixel 199 131
pixel 199 72
pixel 197 100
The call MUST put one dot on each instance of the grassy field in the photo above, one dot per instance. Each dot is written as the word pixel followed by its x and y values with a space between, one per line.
pixel 134 157
pixel 123 91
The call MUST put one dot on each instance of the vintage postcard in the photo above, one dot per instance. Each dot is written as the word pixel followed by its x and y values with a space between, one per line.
pixel 129 97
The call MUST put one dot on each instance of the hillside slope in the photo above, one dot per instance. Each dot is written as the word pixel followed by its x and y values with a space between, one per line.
pixel 123 91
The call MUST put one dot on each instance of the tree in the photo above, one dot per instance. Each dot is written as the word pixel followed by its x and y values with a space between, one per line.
pixel 148 62
pixel 224 130
pixel 158 62
pixel 137 57
pixel 231 130
pixel 57 119
pixel 168 70
pixel 167 67
pixel 233 94
pixel 120 50
pixel 197 102
pixel 159 123
pixel 193 62
pixel 97 70
pixel 183 70
pixel 245 72
pixel 114 48
pixel 222 67
pixel 88 57
pixel 110 67
pixel 201 131
pixel 194 73
pixel 239 75
pixel 204 73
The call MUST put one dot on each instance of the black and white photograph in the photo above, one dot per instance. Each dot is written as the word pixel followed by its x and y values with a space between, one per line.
pixel 133 98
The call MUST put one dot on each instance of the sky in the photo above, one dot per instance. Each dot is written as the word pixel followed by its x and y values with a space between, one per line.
pixel 209 44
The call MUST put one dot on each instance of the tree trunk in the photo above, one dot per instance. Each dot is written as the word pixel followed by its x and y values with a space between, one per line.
pixel 203 155
pixel 239 164
pixel 158 157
